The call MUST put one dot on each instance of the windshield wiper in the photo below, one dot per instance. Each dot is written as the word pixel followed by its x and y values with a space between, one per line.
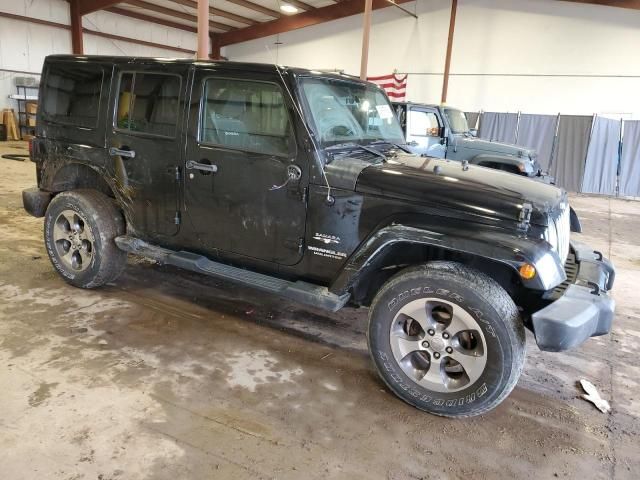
pixel 357 145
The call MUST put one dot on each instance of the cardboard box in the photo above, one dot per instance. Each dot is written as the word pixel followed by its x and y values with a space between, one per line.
pixel 32 108
pixel 31 121
pixel 9 120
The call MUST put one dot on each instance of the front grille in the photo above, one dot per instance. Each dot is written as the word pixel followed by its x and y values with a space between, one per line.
pixel 562 225
pixel 571 270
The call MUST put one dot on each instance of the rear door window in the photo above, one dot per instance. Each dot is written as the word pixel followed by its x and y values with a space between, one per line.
pixel 148 103
pixel 71 94
pixel 246 115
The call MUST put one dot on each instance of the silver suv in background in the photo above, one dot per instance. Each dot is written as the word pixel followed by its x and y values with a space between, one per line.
pixel 443 132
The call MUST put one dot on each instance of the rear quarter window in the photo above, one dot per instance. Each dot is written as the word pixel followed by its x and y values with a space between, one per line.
pixel 71 94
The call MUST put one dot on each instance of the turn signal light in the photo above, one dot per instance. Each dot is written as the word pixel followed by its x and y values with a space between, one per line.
pixel 527 271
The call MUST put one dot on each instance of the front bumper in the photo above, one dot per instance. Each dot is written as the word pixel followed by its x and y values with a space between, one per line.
pixel 582 307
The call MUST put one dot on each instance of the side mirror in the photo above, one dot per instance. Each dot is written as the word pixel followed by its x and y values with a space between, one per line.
pixel 433 132
pixel 474 132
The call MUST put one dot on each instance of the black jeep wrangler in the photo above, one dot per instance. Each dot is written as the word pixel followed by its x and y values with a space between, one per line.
pixel 298 183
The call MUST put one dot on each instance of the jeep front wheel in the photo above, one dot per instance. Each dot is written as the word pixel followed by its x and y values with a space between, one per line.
pixel 79 231
pixel 446 339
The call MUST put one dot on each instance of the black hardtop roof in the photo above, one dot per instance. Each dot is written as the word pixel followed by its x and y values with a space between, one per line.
pixel 247 66
pixel 420 104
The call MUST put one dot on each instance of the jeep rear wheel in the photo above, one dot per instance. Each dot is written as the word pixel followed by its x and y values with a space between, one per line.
pixel 447 339
pixel 79 231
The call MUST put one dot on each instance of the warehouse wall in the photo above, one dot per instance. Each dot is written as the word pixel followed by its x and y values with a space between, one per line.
pixel 571 56
pixel 23 45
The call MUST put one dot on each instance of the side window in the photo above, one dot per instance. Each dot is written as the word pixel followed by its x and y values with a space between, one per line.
pixel 149 103
pixel 246 115
pixel 423 124
pixel 72 94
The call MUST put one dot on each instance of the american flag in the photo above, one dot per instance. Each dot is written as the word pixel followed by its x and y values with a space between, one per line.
pixel 395 85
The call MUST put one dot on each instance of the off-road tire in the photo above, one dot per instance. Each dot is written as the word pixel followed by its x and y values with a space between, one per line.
pixel 105 223
pixel 487 303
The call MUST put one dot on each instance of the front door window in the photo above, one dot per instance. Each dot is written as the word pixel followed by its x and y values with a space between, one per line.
pixel 246 115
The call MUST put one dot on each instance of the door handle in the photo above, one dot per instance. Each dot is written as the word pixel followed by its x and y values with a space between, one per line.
pixel 413 143
pixel 121 152
pixel 205 167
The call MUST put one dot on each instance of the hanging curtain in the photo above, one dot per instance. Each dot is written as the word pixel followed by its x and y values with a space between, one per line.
pixel 630 161
pixel 568 161
pixel 499 127
pixel 538 132
pixel 601 167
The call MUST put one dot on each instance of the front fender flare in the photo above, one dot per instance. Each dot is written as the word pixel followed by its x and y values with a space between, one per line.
pixel 516 162
pixel 499 246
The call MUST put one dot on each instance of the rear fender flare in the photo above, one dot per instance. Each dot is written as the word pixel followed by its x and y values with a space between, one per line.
pixel 68 176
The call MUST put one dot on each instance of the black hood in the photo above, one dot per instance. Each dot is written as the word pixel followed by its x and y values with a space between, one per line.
pixel 450 185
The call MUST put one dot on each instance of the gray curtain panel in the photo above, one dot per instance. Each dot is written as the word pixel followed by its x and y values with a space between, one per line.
pixel 499 127
pixel 567 165
pixel 601 167
pixel 630 161
pixel 472 118
pixel 538 131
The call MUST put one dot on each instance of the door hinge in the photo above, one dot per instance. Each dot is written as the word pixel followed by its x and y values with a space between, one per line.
pixel 176 219
pixel 177 173
pixel 303 194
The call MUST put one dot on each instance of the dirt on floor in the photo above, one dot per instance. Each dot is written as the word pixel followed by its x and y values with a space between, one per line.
pixel 166 374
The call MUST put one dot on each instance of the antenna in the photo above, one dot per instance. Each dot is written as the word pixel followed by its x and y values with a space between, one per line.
pixel 329 199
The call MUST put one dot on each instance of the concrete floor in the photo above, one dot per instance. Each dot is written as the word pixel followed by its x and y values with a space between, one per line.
pixel 170 375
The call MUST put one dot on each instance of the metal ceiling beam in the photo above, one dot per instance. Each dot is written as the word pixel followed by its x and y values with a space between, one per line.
pixel 216 11
pixel 88 6
pixel 316 16
pixel 88 31
pixel 298 4
pixel 175 13
pixel 256 8
pixel 148 18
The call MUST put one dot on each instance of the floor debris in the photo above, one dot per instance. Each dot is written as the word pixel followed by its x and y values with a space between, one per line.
pixel 593 396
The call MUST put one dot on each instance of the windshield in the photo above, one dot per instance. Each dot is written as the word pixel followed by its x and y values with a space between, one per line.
pixel 457 120
pixel 349 112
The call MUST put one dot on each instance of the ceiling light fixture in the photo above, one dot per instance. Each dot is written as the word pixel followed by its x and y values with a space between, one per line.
pixel 286 8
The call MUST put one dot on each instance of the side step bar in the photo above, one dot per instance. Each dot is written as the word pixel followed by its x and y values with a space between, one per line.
pixel 299 291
